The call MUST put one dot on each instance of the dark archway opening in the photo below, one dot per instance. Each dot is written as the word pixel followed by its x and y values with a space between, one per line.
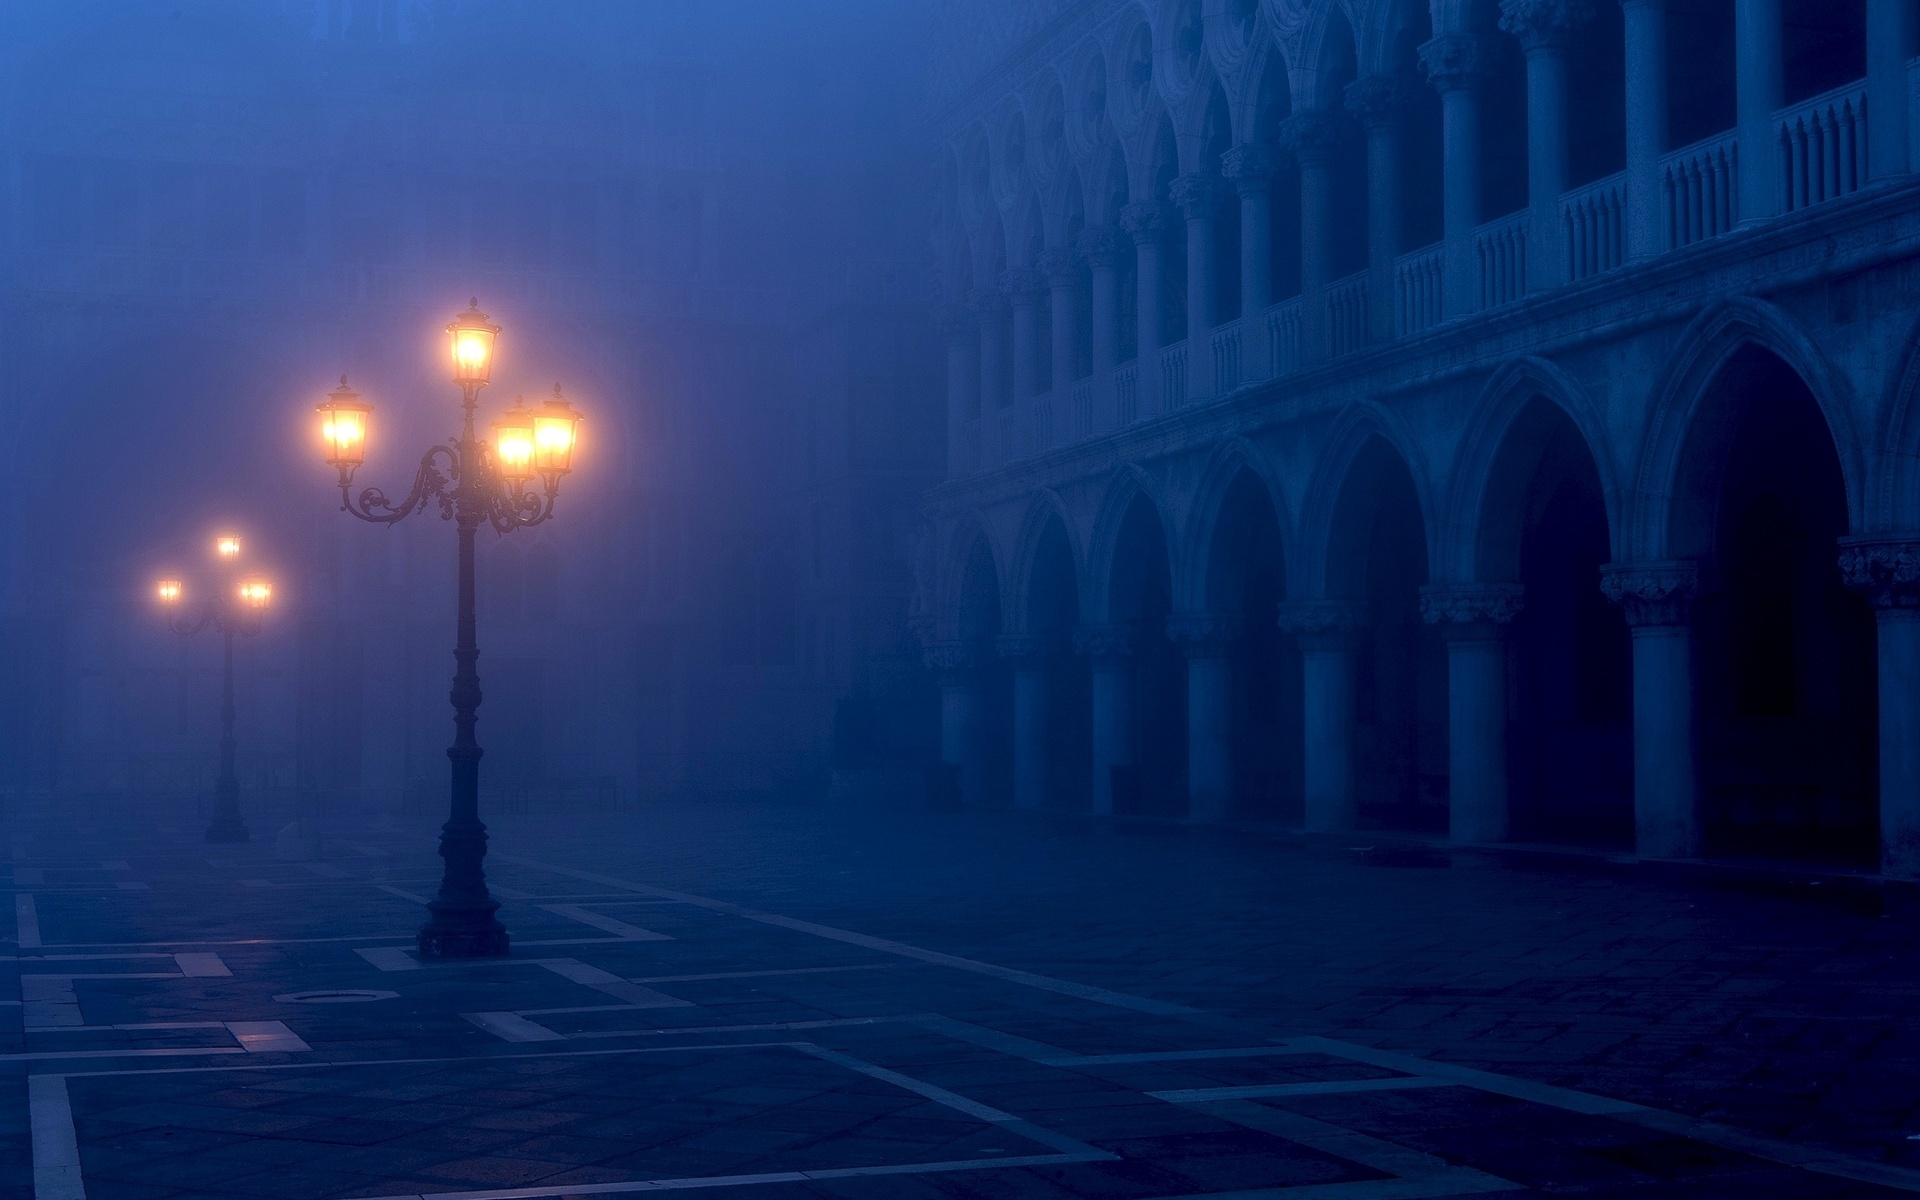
pixel 1788 714
pixel 1053 610
pixel 1141 596
pixel 1571 747
pixel 1378 555
pixel 1247 578
pixel 987 766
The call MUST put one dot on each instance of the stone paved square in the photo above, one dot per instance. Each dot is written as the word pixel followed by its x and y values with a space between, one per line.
pixel 781 1001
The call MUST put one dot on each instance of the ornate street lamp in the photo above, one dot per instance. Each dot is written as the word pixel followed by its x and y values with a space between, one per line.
pixel 234 608
pixel 472 483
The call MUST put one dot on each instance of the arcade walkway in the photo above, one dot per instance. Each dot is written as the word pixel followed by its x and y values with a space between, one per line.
pixel 777 1002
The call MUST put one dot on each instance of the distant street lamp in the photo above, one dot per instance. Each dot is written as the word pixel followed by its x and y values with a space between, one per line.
pixel 235 608
pixel 471 482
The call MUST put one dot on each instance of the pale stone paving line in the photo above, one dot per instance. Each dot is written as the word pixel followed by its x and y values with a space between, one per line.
pixel 56 1149
pixel 26 916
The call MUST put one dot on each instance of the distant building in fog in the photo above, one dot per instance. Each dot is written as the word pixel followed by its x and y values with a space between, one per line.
pixel 214 208
pixel 1482 417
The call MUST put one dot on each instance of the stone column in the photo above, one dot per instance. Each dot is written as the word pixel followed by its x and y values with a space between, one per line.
pixel 1109 650
pixel 963 741
pixel 1195 196
pixel 1327 633
pixel 1889 44
pixel 1208 641
pixel 1378 101
pixel 1251 168
pixel 1888 571
pixel 1453 63
pixel 963 385
pixel 1543 28
pixel 1063 285
pixel 1023 286
pixel 1646 36
pixel 1313 136
pixel 1102 249
pixel 1759 84
pixel 1032 659
pixel 1474 619
pixel 988 306
pixel 1657 599
pixel 1147 222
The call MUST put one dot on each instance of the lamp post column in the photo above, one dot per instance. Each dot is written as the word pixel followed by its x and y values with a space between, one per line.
pixel 1474 619
pixel 1888 572
pixel 1110 649
pixel 1327 632
pixel 1453 63
pixel 227 825
pixel 1250 166
pixel 1147 221
pixel 1657 599
pixel 463 924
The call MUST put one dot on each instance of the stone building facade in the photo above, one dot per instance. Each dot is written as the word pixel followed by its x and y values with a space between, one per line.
pixel 1488 419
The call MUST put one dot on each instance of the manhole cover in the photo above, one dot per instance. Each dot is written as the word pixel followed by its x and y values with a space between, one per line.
pixel 335 996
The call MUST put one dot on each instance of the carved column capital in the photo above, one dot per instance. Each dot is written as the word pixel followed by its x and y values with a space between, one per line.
pixel 1377 100
pixel 1544 24
pixel 1454 61
pixel 1146 221
pixel 1471 611
pixel 987 304
pixel 1022 284
pixel 1886 570
pixel 1195 194
pixel 1029 650
pixel 952 661
pixel 1250 166
pixel 1323 624
pixel 1314 135
pixel 1205 635
pixel 1059 267
pixel 1102 246
pixel 1656 593
pixel 1104 643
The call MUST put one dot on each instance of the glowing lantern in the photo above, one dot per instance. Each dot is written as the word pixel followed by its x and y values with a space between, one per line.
pixel 255 593
pixel 555 430
pixel 513 443
pixel 169 591
pixel 472 337
pixel 343 427
pixel 227 546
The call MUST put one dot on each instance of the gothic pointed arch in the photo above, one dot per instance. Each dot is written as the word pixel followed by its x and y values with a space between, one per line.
pixel 1233 462
pixel 1045 511
pixel 1671 485
pixel 1129 485
pixel 966 543
pixel 1501 443
pixel 1893 484
pixel 1344 449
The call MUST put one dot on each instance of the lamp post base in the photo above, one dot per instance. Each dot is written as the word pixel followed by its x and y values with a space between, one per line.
pixel 463 932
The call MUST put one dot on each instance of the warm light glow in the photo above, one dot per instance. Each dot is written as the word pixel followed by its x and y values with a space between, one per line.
pixel 513 443
pixel 343 427
pixel 168 590
pixel 255 593
pixel 472 342
pixel 555 432
pixel 227 546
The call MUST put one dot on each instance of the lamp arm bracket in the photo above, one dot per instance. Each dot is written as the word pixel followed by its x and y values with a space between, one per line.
pixel 513 507
pixel 430 483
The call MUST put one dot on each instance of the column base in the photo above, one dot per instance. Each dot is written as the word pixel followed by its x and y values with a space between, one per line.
pixel 463 931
